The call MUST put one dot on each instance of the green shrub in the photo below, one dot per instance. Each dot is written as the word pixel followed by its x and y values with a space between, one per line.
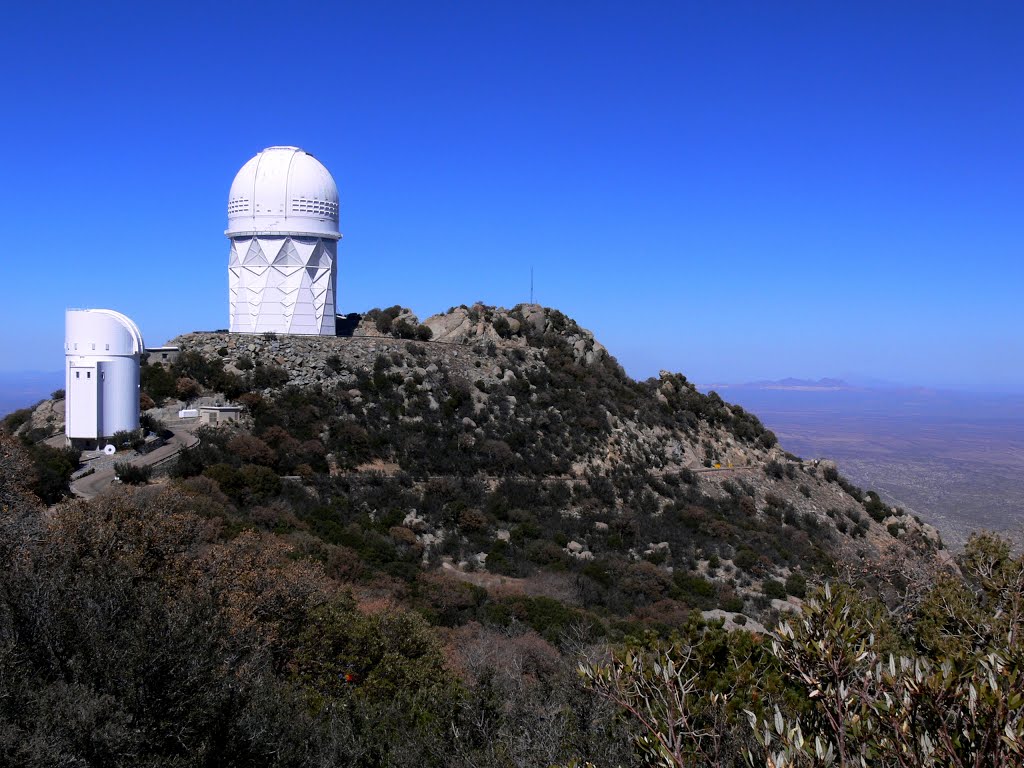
pixel 746 559
pixel 269 377
pixel 16 418
pixel 547 616
pixel 502 327
pixel 850 488
pixel 124 439
pixel 693 589
pixel 132 474
pixel 152 424
pixel 796 584
pixel 403 329
pixel 773 589
pixel 732 604
pixel 53 468
pixel 875 507
pixel 157 381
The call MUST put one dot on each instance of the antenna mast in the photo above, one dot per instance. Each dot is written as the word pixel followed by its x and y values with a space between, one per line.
pixel 531 285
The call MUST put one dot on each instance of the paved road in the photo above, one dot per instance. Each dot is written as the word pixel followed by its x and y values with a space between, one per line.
pixel 91 485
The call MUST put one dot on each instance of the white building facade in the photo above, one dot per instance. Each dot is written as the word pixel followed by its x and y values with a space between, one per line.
pixel 283 226
pixel 102 349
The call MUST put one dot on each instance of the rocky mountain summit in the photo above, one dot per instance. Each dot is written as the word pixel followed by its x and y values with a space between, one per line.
pixel 508 442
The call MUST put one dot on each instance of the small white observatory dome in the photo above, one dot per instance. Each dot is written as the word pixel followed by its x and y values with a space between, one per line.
pixel 283 191
pixel 101 351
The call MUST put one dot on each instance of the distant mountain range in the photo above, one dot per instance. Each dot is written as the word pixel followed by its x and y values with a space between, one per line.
pixel 803 385
pixel 816 385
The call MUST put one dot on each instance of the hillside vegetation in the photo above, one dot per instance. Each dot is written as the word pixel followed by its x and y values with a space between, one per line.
pixel 514 445
pixel 416 534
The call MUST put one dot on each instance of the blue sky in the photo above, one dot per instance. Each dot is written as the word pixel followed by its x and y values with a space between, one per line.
pixel 733 190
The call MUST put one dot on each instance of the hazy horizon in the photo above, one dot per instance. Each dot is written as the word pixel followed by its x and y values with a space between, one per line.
pixel 22 388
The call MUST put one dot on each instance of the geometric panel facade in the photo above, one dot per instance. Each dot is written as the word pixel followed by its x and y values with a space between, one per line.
pixel 283 284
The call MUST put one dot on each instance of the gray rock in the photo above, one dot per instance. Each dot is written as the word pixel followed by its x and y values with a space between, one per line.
pixel 730 623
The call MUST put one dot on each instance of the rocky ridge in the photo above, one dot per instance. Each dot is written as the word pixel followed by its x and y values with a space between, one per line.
pixel 549 456
pixel 499 358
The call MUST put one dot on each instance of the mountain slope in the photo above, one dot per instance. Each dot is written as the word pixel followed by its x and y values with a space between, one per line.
pixel 513 444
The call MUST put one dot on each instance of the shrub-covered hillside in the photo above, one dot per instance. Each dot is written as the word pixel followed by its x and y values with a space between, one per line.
pixel 512 444
pixel 474 541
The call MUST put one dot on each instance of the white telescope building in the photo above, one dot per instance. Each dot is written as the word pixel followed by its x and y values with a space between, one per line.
pixel 283 225
pixel 101 353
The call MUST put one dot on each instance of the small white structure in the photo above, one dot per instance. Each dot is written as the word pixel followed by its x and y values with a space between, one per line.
pixel 101 352
pixel 211 415
pixel 283 225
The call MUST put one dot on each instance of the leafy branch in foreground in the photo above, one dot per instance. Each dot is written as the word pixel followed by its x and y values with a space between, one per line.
pixel 682 722
pixel 840 684
pixel 958 706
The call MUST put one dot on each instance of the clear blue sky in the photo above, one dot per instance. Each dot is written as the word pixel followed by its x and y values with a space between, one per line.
pixel 732 190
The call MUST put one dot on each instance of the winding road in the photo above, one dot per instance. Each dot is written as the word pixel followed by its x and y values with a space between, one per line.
pixel 91 485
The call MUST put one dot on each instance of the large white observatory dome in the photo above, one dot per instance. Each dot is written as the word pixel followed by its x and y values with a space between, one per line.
pixel 283 264
pixel 283 191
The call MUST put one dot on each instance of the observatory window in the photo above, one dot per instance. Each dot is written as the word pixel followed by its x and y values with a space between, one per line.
pixel 76 345
pixel 78 374
pixel 88 374
pixel 94 345
pixel 107 346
